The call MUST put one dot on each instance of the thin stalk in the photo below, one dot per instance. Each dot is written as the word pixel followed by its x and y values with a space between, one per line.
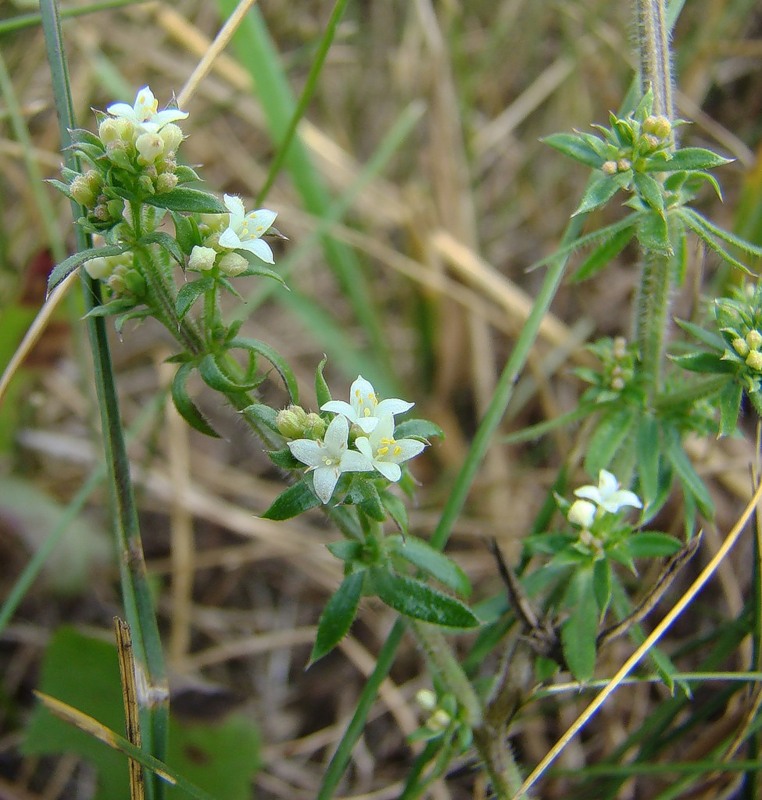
pixel 654 54
pixel 149 659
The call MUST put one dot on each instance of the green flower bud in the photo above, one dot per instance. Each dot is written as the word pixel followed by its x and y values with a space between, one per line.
pixel 740 346
pixel 609 167
pixel 232 264
pixel 172 136
pixel 650 141
pixel 659 126
pixel 290 422
pixel 110 130
pixel 117 153
pixel 754 360
pixel 754 339
pixel 624 164
pixel 146 184
pixel 82 192
pixel 165 182
pixel 314 426
pixel 135 283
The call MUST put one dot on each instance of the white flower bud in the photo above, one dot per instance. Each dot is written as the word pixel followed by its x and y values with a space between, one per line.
pixel 150 146
pixel 202 258
pixel 172 136
pixel 232 264
pixel 582 513
pixel 98 268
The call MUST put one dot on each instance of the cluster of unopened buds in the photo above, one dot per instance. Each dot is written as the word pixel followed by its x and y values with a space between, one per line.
pixel 643 138
pixel 359 438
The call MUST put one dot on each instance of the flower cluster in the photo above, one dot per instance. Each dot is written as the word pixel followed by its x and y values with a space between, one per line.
pixel 740 322
pixel 367 446
pixel 596 501
pixel 221 241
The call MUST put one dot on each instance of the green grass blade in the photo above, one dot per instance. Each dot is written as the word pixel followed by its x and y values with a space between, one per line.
pixel 136 594
pixel 258 54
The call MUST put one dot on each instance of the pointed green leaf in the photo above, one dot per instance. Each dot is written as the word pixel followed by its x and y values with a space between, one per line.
pixel 647 444
pixel 689 159
pixel 263 415
pixel 689 479
pixel 421 554
pixel 602 585
pixel 167 242
pixel 419 601
pixel 322 392
pixel 338 615
pixel 419 429
pixel 190 292
pixel 294 501
pixel 272 355
pixel 186 232
pixel 730 407
pixel 579 632
pixel 213 376
pixel 345 550
pixel 363 493
pixel 650 190
pixel 185 199
pixel 652 544
pixel 603 255
pixel 600 191
pixel 574 146
pixel 610 434
pixel 703 362
pixel 710 338
pixel 185 405
pixel 68 266
pixel 396 510
pixel 653 232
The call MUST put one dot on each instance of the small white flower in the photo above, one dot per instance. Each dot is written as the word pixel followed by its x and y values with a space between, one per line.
pixel 385 452
pixel 607 495
pixel 145 112
pixel 329 458
pixel 202 258
pixel 364 408
pixel 244 230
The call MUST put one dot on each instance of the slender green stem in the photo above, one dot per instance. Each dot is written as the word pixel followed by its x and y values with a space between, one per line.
pixel 653 310
pixel 149 659
pixel 654 54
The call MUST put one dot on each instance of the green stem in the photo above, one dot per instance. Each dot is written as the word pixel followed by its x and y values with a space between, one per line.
pixel 654 54
pixel 653 311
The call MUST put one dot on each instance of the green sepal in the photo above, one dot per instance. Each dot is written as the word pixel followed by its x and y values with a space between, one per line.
pixel 338 615
pixel 190 292
pixel 185 199
pixel 185 406
pixel 396 510
pixel 421 554
pixel 167 242
pixel 214 377
pixel 602 188
pixel 186 232
pixel 579 632
pixel 294 501
pixel 62 270
pixel 689 159
pixel 574 146
pixel 272 355
pixel 418 429
pixel 730 407
pixel 652 544
pixel 322 392
pixel 415 599
pixel 603 255
pixel 262 415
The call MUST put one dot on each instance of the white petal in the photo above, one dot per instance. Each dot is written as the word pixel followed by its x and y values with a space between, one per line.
pixel 408 448
pixel 307 451
pixel 260 249
pixel 260 221
pixel 352 461
pixel 168 115
pixel 122 110
pixel 393 406
pixel 337 434
pixel 589 493
pixel 325 480
pixel 366 424
pixel 234 205
pixel 607 483
pixel 340 407
pixel 620 499
pixel 229 238
pixel 390 471
pixel 362 443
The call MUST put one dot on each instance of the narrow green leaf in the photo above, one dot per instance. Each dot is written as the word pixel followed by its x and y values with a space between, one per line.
pixel 345 550
pixel 710 338
pixel 294 501
pixel 322 392
pixel 610 433
pixel 186 232
pixel 652 544
pixel 272 355
pixel 703 362
pixel 691 482
pixel 650 190
pixel 213 376
pixel 602 585
pixel 647 444
pixel 603 255
pixel 167 242
pixel 185 405
pixel 338 615
pixel 185 199
pixel 284 459
pixel 574 146
pixel 68 266
pixel 600 191
pixel 730 407
pixel 396 510
pixel 421 554
pixel 190 292
pixel 419 601
pixel 578 633
pixel 363 493
pixel 689 159
pixel 418 428
pixel 263 414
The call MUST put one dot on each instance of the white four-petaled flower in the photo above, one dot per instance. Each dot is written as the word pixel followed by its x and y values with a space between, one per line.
pixel 364 408
pixel 328 458
pixel 145 112
pixel 385 452
pixel 607 495
pixel 244 230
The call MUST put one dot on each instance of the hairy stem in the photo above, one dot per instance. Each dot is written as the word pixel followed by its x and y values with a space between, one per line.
pixel 654 54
